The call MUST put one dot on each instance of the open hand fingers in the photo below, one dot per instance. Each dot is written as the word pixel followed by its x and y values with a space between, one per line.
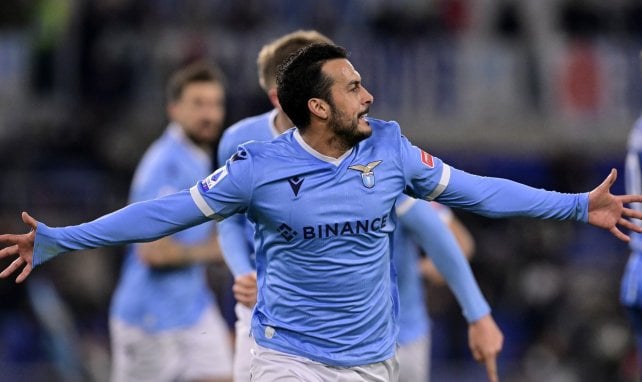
pixel 8 251
pixel 630 198
pixel 15 265
pixel 619 234
pixel 8 239
pixel 28 220
pixel 629 225
pixel 25 272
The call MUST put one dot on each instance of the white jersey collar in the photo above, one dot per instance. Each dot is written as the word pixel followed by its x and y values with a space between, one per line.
pixel 318 155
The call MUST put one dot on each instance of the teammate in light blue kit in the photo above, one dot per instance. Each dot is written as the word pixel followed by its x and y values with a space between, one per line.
pixel 236 237
pixel 164 321
pixel 631 288
pixel 321 198
pixel 424 226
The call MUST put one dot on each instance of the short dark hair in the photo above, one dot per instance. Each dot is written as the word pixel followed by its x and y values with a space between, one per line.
pixel 300 78
pixel 198 71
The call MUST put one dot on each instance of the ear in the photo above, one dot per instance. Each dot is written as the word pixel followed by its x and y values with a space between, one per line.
pixel 319 108
pixel 274 98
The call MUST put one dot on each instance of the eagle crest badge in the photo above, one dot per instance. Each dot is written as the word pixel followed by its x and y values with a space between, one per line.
pixel 367 173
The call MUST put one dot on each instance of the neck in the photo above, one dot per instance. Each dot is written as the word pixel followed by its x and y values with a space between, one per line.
pixel 324 142
pixel 282 122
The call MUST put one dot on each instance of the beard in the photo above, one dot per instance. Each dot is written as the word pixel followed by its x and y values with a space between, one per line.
pixel 347 130
pixel 205 134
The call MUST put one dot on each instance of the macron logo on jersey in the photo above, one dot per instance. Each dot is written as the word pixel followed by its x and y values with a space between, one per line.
pixel 295 184
pixel 210 181
pixel 427 159
pixel 239 155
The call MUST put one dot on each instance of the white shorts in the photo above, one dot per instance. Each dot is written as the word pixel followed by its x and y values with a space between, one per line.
pixel 270 365
pixel 244 343
pixel 200 351
pixel 414 360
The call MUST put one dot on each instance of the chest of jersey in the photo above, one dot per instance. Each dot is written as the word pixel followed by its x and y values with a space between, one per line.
pixel 324 201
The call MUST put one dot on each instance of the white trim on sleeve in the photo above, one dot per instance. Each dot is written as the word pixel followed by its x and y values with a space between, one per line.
pixel 201 203
pixel 404 206
pixel 443 182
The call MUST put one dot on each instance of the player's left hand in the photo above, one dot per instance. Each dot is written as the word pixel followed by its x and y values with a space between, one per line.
pixel 607 210
pixel 485 341
pixel 245 289
pixel 21 245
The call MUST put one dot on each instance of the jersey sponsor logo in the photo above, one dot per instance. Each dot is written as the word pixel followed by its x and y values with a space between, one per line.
pixel 328 230
pixel 287 232
pixel 295 184
pixel 210 181
pixel 367 172
pixel 427 159
pixel 348 228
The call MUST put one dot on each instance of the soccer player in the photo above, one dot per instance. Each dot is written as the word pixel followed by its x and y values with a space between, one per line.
pixel 327 304
pixel 164 321
pixel 236 232
pixel 236 239
pixel 631 288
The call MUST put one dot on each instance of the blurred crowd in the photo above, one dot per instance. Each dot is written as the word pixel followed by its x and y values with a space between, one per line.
pixel 542 92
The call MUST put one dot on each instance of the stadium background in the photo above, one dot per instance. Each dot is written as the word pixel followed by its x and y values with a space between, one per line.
pixel 543 92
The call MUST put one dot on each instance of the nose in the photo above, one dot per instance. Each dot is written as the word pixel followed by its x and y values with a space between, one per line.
pixel 368 98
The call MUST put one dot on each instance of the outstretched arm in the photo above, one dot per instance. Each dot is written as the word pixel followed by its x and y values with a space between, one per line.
pixel 496 197
pixel 138 222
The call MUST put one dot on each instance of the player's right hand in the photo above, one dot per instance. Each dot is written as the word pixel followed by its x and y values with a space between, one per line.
pixel 21 245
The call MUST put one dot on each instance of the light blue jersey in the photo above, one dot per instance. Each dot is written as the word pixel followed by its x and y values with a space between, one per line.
pixel 413 316
pixel 327 290
pixel 160 299
pixel 237 235
pixel 422 227
pixel 236 232
pixel 631 290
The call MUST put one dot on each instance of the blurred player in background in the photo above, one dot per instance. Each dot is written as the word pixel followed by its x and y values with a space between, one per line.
pixel 631 291
pixel 420 230
pixel 165 324
pixel 417 219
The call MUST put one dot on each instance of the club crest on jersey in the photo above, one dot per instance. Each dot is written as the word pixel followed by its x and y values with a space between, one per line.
pixel 427 159
pixel 210 181
pixel 367 172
